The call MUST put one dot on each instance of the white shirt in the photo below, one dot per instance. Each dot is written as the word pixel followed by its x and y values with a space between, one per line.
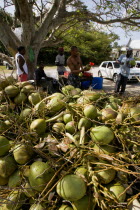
pixel 19 72
pixel 61 60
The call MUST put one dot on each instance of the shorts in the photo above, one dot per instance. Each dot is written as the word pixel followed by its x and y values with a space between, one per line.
pixel 23 77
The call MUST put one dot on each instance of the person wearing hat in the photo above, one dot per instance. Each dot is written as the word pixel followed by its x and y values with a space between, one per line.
pixel 60 61
pixel 125 61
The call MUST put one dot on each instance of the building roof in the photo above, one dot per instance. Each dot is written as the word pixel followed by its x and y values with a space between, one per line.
pixel 135 44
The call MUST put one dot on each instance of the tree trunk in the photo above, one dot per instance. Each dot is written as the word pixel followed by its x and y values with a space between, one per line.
pixel 31 59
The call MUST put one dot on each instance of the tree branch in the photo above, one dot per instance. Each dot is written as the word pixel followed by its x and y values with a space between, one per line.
pixel 25 15
pixel 8 38
pixel 7 58
pixel 43 30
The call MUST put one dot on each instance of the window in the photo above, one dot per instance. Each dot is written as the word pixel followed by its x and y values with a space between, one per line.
pixel 110 66
pixel 138 65
pixel 116 65
pixel 104 64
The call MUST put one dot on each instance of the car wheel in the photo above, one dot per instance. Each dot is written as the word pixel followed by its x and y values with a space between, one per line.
pixel 115 76
pixel 99 74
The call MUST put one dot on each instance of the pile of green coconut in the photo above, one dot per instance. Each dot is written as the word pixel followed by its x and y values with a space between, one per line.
pixel 72 150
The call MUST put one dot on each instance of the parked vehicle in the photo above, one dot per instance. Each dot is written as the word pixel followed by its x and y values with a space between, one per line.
pixel 110 69
pixel 8 65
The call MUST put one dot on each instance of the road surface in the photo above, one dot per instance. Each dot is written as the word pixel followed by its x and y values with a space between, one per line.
pixel 108 85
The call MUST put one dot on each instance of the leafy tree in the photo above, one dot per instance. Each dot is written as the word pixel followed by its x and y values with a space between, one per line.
pixel 40 19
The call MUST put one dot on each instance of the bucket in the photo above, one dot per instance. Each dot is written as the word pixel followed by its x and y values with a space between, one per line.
pixel 97 83
pixel 85 84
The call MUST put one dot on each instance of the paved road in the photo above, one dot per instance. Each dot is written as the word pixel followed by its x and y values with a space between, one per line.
pixel 108 85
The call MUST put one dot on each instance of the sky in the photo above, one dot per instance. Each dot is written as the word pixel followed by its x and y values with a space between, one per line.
pixel 124 38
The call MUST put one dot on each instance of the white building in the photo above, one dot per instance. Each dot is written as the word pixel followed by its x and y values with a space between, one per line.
pixel 135 45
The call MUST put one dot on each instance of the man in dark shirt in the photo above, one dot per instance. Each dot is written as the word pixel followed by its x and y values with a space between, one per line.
pixel 43 81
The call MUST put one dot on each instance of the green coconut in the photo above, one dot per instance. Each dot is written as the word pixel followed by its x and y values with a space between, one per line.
pixel 3 126
pixel 83 100
pixel 74 92
pixel 83 122
pixel 71 187
pixel 39 175
pixel 37 206
pixel 71 127
pixel 22 153
pixel 4 145
pixel 3 181
pixel 3 84
pixel 104 149
pixel 83 204
pixel 90 112
pixel 81 171
pixel 40 107
pixel 7 166
pixel 135 113
pixel 67 89
pixel 15 179
pixel 11 91
pixel 55 105
pixel 120 117
pixel 28 89
pixel 104 175
pixel 67 117
pixel 65 207
pixel 22 84
pixel 58 127
pixel 15 200
pixel 20 98
pixel 29 192
pixel 57 95
pixel 117 190
pixel 34 98
pixel 38 126
pixel 92 96
pixel 25 113
pixel 108 114
pixel 102 135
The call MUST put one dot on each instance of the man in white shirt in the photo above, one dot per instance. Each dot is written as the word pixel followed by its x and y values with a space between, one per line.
pixel 125 65
pixel 22 69
pixel 60 61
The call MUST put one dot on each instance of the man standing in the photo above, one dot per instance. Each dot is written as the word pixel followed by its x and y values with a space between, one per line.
pixel 75 64
pixel 22 69
pixel 60 61
pixel 125 65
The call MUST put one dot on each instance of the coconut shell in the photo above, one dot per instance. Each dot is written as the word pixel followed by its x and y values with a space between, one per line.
pixel 71 188
pixel 11 91
pixel 102 135
pixel 4 145
pixel 116 190
pixel 39 175
pixel 38 126
pixel 7 166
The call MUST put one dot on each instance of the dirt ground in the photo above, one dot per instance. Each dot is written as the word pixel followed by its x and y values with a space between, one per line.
pixel 132 88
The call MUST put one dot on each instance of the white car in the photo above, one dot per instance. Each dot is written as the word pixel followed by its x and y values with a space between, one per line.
pixel 110 69
pixel 8 65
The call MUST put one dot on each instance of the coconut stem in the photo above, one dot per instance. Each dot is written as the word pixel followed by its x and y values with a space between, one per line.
pixel 55 118
pixel 82 136
pixel 72 138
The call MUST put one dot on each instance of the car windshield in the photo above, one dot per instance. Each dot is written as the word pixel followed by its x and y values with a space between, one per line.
pixel 116 65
